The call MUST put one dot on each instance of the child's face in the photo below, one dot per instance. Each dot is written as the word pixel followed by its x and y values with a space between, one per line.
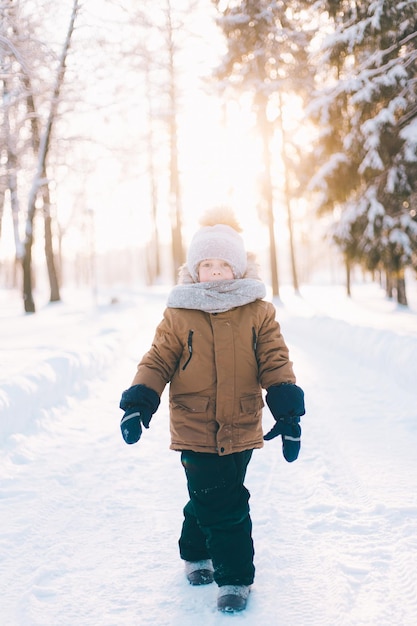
pixel 214 269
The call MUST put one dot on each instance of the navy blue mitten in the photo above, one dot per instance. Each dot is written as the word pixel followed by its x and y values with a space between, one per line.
pixel 139 404
pixel 286 403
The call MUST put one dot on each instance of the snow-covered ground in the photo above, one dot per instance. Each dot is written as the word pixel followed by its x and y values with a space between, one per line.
pixel 89 526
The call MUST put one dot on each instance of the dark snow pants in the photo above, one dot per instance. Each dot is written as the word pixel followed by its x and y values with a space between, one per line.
pixel 217 523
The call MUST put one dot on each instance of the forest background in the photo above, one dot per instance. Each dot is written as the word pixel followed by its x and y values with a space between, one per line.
pixel 121 122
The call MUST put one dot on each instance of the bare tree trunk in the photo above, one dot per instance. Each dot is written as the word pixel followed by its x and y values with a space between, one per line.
pixel 154 262
pixel 389 283
pixel 49 248
pixel 4 133
pixel 348 276
pixel 11 176
pixel 401 288
pixel 267 191
pixel 175 191
pixel 41 167
pixel 28 301
pixel 2 197
pixel 287 195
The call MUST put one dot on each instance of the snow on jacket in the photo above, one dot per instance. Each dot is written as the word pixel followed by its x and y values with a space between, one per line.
pixel 217 365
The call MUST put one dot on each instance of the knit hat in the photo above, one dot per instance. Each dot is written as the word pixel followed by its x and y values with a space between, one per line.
pixel 218 239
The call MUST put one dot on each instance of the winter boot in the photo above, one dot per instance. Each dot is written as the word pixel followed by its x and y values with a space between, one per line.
pixel 232 598
pixel 199 572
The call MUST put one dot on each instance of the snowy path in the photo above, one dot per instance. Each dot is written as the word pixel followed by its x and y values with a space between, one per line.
pixel 89 526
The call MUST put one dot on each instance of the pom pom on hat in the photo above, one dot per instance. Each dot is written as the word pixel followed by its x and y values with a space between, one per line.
pixel 218 239
pixel 220 215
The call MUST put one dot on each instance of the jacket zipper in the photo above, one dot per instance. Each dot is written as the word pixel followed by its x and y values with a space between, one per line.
pixel 254 339
pixel 190 348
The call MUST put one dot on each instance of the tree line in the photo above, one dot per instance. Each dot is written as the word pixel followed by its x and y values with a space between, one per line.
pixel 353 66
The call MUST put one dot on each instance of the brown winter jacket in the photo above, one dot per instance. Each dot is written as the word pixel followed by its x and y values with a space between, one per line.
pixel 217 365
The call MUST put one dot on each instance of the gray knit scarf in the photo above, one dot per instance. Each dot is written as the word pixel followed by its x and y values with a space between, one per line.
pixel 217 296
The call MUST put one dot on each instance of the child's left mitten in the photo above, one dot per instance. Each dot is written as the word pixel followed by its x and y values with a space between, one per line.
pixel 286 403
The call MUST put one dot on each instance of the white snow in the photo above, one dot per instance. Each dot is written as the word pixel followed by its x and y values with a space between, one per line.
pixel 89 525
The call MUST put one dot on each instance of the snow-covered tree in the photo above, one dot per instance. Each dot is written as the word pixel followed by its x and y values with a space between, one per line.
pixel 30 97
pixel 267 51
pixel 365 108
pixel 154 53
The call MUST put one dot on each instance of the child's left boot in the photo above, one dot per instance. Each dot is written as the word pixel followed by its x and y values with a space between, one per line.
pixel 232 598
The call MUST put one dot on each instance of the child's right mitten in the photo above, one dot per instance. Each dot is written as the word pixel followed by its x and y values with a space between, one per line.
pixel 139 404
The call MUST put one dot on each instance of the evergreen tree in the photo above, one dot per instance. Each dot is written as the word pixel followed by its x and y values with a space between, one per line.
pixel 366 111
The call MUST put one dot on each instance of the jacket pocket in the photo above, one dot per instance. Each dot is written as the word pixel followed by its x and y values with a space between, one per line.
pixel 251 404
pixel 249 424
pixel 190 403
pixel 192 421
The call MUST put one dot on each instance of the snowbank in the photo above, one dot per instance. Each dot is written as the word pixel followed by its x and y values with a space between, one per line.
pixel 52 356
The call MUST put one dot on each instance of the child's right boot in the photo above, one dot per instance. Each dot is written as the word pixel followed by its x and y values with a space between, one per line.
pixel 199 572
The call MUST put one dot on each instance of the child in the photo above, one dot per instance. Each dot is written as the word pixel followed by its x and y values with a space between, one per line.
pixel 218 345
